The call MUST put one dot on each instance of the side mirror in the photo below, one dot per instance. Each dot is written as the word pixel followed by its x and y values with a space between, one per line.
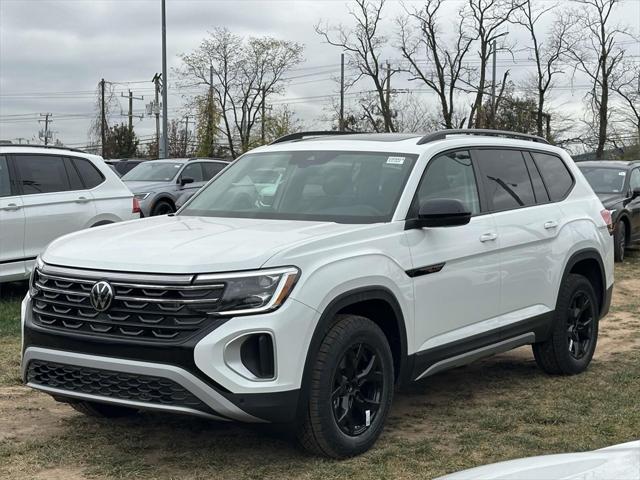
pixel 443 212
pixel 185 180
pixel 635 193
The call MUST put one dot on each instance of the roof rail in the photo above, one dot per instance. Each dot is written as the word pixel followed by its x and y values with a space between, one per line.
pixel 442 134
pixel 303 135
pixel 24 145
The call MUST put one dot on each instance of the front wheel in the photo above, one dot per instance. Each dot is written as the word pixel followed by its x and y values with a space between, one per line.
pixel 575 331
pixel 619 241
pixel 350 391
pixel 162 207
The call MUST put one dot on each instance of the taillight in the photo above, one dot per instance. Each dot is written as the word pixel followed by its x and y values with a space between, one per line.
pixel 606 216
pixel 136 206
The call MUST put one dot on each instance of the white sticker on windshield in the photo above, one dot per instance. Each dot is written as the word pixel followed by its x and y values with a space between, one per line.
pixel 395 160
pixel 622 174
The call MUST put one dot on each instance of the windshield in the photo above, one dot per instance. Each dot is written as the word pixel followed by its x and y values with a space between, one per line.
pixel 153 172
pixel 605 179
pixel 345 187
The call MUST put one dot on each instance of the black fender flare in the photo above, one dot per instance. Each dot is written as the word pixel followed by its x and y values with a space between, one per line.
pixel 587 254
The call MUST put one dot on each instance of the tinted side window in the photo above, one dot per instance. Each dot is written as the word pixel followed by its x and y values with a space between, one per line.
pixel 634 181
pixel 41 173
pixel 450 176
pixel 75 182
pixel 539 190
pixel 555 175
pixel 193 170
pixel 5 181
pixel 506 179
pixel 211 170
pixel 91 176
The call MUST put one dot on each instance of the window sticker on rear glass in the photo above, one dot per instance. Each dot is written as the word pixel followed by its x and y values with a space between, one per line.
pixel 395 160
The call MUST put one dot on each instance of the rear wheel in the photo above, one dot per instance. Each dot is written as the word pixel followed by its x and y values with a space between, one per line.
pixel 162 207
pixel 103 410
pixel 619 241
pixel 351 389
pixel 575 332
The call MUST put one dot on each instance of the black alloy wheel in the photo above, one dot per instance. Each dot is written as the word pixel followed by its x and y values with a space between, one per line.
pixel 580 324
pixel 358 383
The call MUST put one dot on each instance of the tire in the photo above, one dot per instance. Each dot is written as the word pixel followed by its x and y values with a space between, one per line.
pixel 162 207
pixel 350 338
pixel 619 241
pixel 573 340
pixel 103 410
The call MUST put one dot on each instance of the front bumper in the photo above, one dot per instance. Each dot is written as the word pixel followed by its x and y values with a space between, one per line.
pixel 196 366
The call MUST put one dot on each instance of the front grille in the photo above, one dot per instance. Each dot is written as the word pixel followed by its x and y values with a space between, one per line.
pixel 148 311
pixel 115 385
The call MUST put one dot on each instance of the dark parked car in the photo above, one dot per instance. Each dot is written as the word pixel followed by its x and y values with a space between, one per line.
pixel 617 183
pixel 122 166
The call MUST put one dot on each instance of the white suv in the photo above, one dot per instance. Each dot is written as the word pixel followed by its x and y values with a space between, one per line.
pixel 49 192
pixel 375 260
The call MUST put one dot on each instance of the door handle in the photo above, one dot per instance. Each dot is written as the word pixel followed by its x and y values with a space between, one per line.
pixel 550 224
pixel 488 237
pixel 11 207
pixel 82 200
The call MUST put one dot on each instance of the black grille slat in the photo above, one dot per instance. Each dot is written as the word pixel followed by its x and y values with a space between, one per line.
pixel 112 384
pixel 159 313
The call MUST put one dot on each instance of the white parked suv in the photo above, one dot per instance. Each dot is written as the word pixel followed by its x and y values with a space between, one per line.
pixel 49 192
pixel 375 260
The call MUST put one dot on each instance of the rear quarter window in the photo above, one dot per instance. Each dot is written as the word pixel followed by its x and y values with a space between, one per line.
pixel 91 176
pixel 555 175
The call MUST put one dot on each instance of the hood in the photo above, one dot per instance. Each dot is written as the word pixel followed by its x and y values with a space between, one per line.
pixel 144 187
pixel 612 463
pixel 610 199
pixel 182 244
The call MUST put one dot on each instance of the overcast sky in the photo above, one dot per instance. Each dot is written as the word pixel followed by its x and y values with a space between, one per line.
pixel 54 53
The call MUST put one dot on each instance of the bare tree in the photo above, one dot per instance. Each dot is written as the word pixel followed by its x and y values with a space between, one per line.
pixel 629 91
pixel 485 19
pixel 547 54
pixel 363 45
pixel 592 44
pixel 245 72
pixel 446 61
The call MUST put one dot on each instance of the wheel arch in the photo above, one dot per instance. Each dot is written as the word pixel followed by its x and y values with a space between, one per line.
pixel 375 303
pixel 160 198
pixel 588 263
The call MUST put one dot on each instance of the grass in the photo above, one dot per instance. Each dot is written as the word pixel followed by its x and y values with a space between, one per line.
pixel 497 409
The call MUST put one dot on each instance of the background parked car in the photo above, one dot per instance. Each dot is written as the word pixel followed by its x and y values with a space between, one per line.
pixel 157 184
pixel 124 165
pixel 182 199
pixel 49 192
pixel 617 184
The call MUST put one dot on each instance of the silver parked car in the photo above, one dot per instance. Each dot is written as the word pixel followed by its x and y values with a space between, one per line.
pixel 157 184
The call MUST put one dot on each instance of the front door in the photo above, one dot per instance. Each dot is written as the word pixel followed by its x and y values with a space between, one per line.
pixel 456 269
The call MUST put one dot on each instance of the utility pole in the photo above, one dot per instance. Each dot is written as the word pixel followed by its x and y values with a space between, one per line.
pixel 46 127
pixel 387 100
pixel 131 99
pixel 165 84
pixel 186 134
pixel 493 86
pixel 210 122
pixel 341 121
pixel 264 114
pixel 103 133
pixel 156 109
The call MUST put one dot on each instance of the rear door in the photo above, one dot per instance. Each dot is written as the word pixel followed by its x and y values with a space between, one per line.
pixel 54 199
pixel 529 223
pixel 634 205
pixel 12 261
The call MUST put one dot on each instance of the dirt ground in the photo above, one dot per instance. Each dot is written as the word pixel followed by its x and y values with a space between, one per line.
pixel 498 408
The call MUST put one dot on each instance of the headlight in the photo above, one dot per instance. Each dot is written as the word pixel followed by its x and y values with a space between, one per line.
pixel 142 196
pixel 253 292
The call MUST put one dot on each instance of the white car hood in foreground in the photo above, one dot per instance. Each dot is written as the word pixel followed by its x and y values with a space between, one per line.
pixel 620 462
pixel 182 244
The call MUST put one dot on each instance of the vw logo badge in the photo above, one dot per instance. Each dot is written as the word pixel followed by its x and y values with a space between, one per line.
pixel 101 296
